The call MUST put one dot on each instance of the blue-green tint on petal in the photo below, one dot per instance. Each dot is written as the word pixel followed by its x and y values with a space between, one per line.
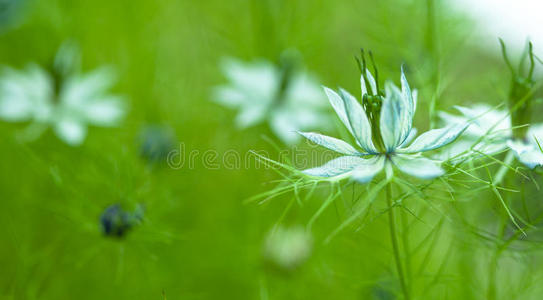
pixel 420 167
pixel 392 124
pixel 435 138
pixel 528 154
pixel 336 167
pixel 371 82
pixel 365 172
pixel 358 120
pixel 410 136
pixel 331 143
pixel 410 106
pixel 339 106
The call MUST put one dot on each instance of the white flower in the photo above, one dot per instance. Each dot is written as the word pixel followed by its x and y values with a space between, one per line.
pixel 493 128
pixel 83 100
pixel 66 101
pixel 383 131
pixel 289 247
pixel 288 100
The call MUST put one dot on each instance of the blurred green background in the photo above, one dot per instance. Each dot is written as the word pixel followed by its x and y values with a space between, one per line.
pixel 199 240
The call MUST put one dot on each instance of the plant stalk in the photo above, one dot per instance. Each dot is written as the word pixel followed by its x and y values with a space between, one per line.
pixel 394 241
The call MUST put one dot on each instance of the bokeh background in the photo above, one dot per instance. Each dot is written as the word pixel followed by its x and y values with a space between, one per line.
pixel 199 239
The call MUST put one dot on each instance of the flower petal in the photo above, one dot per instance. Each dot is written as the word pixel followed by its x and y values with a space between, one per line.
pixel 330 143
pixel 70 131
pixel 410 103
pixel 435 138
pixel 107 111
pixel 420 167
pixel 371 82
pixel 528 154
pixel 360 125
pixel 341 166
pixel 366 171
pixel 393 112
pixel 339 106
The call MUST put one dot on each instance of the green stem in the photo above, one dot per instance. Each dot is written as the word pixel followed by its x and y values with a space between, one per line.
pixel 394 241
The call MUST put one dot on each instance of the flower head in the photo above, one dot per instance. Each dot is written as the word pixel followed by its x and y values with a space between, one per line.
pixel 289 100
pixel 64 99
pixel 382 128
pixel 490 132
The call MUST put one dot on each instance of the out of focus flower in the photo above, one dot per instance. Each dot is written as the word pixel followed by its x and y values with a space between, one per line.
pixel 491 132
pixel 288 247
pixel 382 128
pixel 289 100
pixel 116 222
pixel 494 130
pixel 488 132
pixel 65 99
pixel 156 142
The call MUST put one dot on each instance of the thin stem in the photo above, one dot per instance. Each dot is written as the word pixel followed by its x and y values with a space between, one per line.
pixel 394 241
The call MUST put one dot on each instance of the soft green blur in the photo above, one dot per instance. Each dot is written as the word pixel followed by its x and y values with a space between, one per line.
pixel 199 240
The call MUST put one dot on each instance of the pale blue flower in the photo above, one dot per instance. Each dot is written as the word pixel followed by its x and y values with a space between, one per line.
pixel 288 100
pixel 65 99
pixel 491 132
pixel 382 128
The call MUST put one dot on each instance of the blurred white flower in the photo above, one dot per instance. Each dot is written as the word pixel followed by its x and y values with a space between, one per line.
pixel 287 99
pixel 65 99
pixel 288 247
pixel 382 128
pixel 491 132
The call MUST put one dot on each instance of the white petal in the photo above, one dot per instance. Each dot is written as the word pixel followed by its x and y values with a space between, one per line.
pixel 256 78
pixel 251 115
pixel 339 107
pixel 84 88
pixel 105 112
pixel 341 166
pixel 71 131
pixel 360 125
pixel 372 166
pixel 330 143
pixel 305 91
pixel 371 82
pixel 420 167
pixel 393 111
pixel 410 136
pixel 535 134
pixel 435 138
pixel 285 126
pixel 410 103
pixel 229 96
pixel 528 154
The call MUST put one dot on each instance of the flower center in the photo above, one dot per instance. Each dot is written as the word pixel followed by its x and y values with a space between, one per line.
pixel 372 100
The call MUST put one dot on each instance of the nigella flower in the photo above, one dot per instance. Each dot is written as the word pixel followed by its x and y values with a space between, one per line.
pixel 382 128
pixel 288 99
pixel 65 99
pixel 491 132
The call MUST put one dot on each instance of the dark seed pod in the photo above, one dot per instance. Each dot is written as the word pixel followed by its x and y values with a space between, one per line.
pixel 116 222
pixel 156 142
